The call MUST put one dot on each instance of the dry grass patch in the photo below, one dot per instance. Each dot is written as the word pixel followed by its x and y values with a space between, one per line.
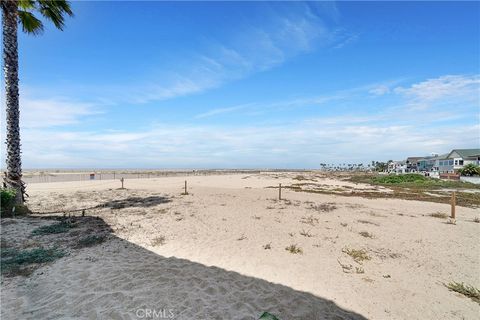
pixel 368 222
pixel 366 234
pixel 439 215
pixel 311 220
pixel 294 249
pixel 466 290
pixel 323 207
pixel 357 255
pixel 242 237
pixel 476 219
pixel 158 241
pixel 306 234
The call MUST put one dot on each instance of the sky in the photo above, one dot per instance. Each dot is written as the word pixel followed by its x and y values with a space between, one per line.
pixel 249 84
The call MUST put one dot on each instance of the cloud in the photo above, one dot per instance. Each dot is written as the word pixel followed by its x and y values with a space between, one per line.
pixel 379 90
pixel 218 111
pixel 451 89
pixel 44 113
pixel 296 144
pixel 350 135
pixel 285 31
pixel 345 39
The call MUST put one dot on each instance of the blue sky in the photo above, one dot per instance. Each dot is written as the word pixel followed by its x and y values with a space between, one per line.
pixel 250 84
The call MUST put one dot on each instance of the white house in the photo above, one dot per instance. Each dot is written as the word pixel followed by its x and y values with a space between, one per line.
pixel 398 166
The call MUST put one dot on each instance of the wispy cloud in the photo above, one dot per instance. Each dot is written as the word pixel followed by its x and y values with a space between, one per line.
pixel 255 46
pixel 359 135
pixel 45 113
pixel 267 146
pixel 457 89
pixel 218 111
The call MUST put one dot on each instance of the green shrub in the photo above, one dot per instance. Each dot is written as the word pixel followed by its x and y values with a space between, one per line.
pixel 470 170
pixel 60 227
pixel 7 200
pixel 267 316
pixel 405 178
pixel 15 261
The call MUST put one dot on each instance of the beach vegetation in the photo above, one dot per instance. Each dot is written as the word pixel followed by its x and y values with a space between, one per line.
pixel 59 227
pixel 19 262
pixel 158 241
pixel 470 170
pixel 466 290
pixel 7 201
pixel 358 255
pixel 366 234
pixel 294 249
pixel 440 215
pixel 306 233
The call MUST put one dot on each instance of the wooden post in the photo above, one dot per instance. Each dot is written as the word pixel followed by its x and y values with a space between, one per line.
pixel 454 200
pixel 279 191
pixel 186 187
pixel 114 175
pixel 121 180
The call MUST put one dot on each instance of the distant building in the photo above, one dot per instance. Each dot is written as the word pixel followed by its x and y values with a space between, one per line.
pixel 435 164
pixel 443 164
pixel 458 158
pixel 412 164
pixel 426 164
pixel 397 166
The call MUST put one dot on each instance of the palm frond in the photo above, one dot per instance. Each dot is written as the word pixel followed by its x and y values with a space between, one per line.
pixel 26 4
pixel 30 24
pixel 55 11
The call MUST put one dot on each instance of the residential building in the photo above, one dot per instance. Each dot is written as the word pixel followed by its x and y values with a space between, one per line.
pixel 461 157
pixel 397 166
pixel 412 164
pixel 426 164
pixel 443 165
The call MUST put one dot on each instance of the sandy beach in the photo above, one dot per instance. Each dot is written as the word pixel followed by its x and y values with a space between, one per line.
pixel 230 249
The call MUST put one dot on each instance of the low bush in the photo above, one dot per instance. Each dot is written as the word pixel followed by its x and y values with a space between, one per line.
pixel 7 200
pixel 470 170
pixel 15 262
pixel 60 227
pixel 398 179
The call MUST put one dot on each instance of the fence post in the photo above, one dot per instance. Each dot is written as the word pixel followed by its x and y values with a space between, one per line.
pixel 121 180
pixel 454 200
pixel 279 191
pixel 186 187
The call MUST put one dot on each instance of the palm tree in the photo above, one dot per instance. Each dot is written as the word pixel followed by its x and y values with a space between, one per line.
pixel 16 12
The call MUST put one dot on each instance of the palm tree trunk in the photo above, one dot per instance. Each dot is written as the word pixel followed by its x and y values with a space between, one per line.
pixel 13 176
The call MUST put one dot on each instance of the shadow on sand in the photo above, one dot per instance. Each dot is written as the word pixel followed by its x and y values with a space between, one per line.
pixel 131 202
pixel 121 280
